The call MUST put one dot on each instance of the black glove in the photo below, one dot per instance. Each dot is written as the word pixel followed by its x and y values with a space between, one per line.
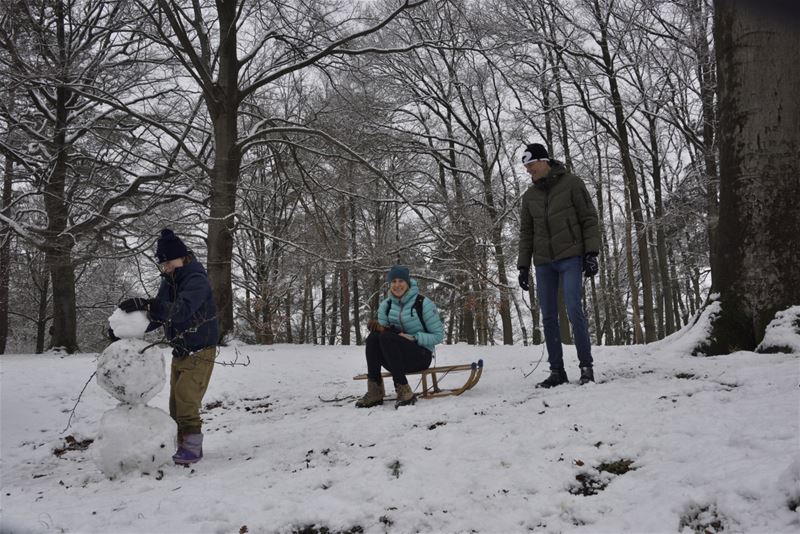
pixel 111 336
pixel 590 264
pixel 524 278
pixel 134 304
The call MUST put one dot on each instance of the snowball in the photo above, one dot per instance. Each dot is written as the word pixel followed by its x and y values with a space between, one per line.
pixel 134 438
pixel 129 376
pixel 127 325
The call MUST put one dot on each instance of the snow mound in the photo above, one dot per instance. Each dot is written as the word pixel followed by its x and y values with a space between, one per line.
pixel 128 375
pixel 127 325
pixel 789 484
pixel 691 338
pixel 134 438
pixel 783 333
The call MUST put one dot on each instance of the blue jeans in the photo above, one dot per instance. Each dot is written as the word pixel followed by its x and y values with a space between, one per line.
pixel 570 272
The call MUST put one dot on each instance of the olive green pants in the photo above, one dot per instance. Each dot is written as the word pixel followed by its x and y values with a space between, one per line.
pixel 188 382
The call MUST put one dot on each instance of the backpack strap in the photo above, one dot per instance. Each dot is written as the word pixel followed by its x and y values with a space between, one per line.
pixel 418 307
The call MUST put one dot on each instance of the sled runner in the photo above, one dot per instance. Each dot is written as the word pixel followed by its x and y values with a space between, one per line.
pixel 436 374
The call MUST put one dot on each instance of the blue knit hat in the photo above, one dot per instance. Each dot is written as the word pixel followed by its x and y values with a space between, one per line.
pixel 170 247
pixel 398 271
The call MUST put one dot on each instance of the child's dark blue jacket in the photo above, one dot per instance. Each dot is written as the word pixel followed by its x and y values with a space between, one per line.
pixel 185 308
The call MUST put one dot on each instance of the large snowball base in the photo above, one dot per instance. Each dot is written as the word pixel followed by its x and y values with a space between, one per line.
pixel 134 438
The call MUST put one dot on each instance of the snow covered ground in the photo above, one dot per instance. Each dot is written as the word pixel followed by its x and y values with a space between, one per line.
pixel 664 442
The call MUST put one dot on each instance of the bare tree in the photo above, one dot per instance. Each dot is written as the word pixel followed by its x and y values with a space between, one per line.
pixel 280 39
pixel 68 67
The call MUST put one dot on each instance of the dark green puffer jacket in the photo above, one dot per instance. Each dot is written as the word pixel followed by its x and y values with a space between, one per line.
pixel 557 219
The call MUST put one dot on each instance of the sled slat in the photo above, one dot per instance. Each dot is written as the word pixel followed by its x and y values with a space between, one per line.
pixel 438 373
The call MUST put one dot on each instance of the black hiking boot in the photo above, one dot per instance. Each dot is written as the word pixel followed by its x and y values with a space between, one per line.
pixel 587 375
pixel 556 378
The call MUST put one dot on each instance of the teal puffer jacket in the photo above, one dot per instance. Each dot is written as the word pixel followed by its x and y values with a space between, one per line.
pixel 403 317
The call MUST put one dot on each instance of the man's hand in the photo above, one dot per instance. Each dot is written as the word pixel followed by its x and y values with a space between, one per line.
pixel 134 304
pixel 524 278
pixel 590 264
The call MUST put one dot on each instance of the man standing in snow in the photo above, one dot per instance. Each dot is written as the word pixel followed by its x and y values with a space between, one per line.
pixel 185 307
pixel 559 229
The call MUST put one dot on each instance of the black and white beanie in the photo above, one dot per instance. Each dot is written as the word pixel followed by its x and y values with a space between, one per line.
pixel 534 152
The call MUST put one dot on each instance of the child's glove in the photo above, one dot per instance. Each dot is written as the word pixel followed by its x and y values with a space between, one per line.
pixel 134 304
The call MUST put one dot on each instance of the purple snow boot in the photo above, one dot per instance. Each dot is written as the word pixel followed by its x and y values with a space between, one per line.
pixel 190 450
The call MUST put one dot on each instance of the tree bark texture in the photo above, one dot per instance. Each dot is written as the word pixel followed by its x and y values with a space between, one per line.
pixel 222 100
pixel 59 245
pixel 759 229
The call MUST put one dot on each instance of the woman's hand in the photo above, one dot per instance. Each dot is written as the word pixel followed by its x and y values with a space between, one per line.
pixel 409 337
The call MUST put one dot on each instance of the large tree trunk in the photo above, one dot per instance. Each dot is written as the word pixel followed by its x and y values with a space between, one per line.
pixel 58 249
pixel 759 229
pixel 62 276
pixel 220 226
pixel 223 104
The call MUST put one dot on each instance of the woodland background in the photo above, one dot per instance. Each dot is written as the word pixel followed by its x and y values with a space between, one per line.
pixel 303 147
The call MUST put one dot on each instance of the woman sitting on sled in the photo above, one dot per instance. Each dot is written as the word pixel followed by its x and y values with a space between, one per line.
pixel 402 339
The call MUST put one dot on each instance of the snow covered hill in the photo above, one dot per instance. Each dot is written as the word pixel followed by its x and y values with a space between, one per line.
pixel 664 442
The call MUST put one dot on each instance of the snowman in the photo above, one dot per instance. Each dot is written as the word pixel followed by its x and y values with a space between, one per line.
pixel 133 436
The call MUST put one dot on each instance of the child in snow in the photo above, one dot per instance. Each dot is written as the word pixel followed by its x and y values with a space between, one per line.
pixel 402 339
pixel 185 307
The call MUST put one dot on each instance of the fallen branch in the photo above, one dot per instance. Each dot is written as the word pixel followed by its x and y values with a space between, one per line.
pixel 74 408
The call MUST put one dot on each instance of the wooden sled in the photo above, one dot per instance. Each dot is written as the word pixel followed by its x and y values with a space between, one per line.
pixel 436 374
